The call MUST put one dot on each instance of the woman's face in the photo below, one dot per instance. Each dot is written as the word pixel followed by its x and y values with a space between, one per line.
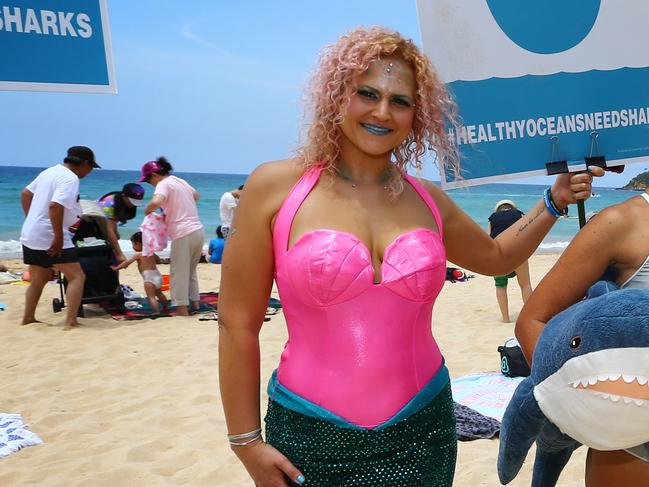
pixel 381 111
pixel 153 179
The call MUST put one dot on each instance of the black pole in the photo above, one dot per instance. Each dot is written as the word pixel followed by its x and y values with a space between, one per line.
pixel 581 210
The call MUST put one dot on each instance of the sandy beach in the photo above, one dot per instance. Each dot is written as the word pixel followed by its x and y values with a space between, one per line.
pixel 136 403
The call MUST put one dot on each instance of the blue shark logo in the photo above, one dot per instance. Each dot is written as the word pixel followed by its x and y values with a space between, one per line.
pixel 546 27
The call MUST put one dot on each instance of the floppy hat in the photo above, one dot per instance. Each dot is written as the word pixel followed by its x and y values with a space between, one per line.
pixel 83 153
pixel 149 168
pixel 504 202
pixel 135 193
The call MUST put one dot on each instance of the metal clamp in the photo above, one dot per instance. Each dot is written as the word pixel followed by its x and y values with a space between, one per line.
pixel 595 160
pixel 555 166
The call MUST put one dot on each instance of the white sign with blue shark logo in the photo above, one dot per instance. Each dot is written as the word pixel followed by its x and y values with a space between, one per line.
pixel 541 81
pixel 56 45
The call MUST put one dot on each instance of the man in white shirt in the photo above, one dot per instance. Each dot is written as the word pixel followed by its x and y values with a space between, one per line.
pixel 51 206
pixel 228 204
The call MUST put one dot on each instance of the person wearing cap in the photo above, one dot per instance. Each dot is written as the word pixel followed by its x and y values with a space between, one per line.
pixel 51 206
pixel 177 198
pixel 118 208
pixel 227 206
pixel 504 216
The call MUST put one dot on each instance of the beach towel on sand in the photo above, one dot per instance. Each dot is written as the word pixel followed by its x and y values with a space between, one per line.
pixel 14 435
pixel 488 393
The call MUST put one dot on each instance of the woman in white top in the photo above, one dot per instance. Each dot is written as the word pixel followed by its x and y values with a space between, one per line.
pixel 616 242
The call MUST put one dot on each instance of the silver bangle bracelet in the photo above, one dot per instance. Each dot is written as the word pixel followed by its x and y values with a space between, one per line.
pixel 245 436
pixel 246 442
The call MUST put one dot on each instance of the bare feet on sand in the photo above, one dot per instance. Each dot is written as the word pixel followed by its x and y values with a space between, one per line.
pixel 29 321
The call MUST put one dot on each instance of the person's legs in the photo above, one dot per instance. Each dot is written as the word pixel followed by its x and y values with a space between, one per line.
pixel 151 292
pixel 618 468
pixel 503 303
pixel 38 278
pixel 180 270
pixel 196 242
pixel 523 277
pixel 162 298
pixel 76 278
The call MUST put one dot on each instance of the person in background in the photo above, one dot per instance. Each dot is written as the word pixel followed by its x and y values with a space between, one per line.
pixel 504 216
pixel 215 249
pixel 227 205
pixel 614 245
pixel 150 273
pixel 177 198
pixel 119 207
pixel 51 206
pixel 358 250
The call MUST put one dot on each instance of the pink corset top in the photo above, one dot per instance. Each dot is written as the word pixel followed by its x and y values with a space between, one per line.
pixel 359 349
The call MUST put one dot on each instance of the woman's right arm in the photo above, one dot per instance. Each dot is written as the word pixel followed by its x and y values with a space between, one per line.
pixel 246 280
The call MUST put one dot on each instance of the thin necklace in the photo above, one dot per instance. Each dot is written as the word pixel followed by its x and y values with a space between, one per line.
pixel 384 177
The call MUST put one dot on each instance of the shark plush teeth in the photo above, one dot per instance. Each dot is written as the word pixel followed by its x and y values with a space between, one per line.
pixel 589 385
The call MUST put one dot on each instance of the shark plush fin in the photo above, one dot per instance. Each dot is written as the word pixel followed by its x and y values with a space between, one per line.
pixel 522 423
pixel 553 450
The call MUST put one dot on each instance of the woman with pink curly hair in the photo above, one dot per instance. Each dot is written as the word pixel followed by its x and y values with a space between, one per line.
pixel 358 250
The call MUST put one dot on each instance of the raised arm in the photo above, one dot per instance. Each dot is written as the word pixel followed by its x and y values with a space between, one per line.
pixel 597 246
pixel 246 281
pixel 469 246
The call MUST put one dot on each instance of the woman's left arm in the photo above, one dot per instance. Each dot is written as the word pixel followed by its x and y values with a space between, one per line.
pixel 469 246
pixel 156 202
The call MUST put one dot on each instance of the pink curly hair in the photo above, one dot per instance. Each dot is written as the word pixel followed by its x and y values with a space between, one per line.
pixel 332 87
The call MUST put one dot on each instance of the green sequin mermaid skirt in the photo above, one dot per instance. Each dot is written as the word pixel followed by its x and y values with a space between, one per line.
pixel 417 451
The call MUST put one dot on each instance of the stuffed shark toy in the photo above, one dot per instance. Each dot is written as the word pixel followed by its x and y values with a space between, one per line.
pixel 588 385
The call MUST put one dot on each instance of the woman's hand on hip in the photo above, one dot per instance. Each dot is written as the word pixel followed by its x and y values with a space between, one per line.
pixel 267 466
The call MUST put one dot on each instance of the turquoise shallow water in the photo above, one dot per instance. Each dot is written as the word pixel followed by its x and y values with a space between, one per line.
pixel 477 201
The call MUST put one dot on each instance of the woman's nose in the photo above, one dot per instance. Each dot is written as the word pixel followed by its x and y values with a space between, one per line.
pixel 382 110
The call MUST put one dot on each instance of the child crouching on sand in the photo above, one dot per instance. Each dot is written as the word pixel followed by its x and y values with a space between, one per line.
pixel 150 273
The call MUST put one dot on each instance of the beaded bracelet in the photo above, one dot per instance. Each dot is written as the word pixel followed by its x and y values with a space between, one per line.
pixel 552 206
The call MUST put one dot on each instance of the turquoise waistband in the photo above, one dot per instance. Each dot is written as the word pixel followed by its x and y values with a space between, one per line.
pixel 281 395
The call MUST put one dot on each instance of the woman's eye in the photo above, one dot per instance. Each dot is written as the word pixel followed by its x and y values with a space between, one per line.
pixel 367 94
pixel 401 102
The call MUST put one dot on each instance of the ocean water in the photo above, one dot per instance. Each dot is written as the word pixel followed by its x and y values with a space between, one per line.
pixel 477 201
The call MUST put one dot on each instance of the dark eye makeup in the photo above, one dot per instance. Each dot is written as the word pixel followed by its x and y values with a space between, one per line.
pixel 371 94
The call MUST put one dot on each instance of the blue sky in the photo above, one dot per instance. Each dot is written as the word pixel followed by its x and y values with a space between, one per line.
pixel 215 86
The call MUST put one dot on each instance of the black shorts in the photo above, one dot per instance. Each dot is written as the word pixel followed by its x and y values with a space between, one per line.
pixel 40 257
